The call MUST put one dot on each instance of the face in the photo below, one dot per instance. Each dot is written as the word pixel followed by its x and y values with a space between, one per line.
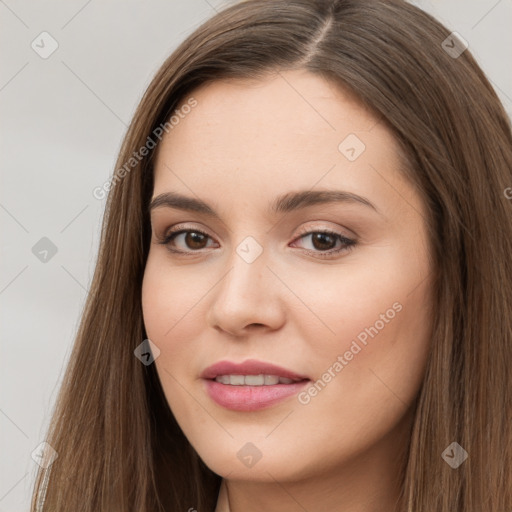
pixel 337 292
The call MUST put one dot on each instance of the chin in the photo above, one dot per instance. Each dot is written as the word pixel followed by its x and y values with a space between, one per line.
pixel 244 461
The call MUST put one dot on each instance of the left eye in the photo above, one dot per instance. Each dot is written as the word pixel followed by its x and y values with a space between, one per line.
pixel 326 240
pixel 193 240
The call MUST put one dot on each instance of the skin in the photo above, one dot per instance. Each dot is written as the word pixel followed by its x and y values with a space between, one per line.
pixel 242 145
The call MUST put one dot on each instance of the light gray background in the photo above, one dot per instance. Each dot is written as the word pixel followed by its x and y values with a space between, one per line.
pixel 63 119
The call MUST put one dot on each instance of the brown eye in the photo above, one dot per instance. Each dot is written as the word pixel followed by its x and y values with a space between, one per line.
pixel 323 241
pixel 186 240
pixel 195 240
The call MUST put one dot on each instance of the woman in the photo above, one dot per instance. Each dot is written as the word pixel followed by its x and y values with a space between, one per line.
pixel 341 338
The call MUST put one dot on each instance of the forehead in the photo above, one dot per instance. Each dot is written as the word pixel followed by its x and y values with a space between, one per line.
pixel 261 138
pixel 297 106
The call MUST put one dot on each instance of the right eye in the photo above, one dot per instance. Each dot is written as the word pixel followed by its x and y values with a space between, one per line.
pixel 190 240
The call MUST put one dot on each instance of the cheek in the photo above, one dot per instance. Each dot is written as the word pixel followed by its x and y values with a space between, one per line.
pixel 357 303
pixel 170 323
pixel 378 366
pixel 169 300
pixel 376 335
pixel 370 376
pixel 174 303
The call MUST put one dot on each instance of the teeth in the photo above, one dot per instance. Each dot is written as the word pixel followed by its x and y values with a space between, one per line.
pixel 253 380
pixel 269 379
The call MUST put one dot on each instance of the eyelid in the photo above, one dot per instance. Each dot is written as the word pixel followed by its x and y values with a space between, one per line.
pixel 307 229
pixel 185 226
pixel 304 230
pixel 350 241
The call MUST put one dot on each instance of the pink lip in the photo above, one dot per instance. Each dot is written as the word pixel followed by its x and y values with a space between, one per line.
pixel 249 398
pixel 249 367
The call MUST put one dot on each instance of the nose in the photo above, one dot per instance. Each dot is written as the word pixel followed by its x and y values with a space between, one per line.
pixel 247 297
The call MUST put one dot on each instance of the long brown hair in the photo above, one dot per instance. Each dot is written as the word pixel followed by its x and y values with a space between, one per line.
pixel 119 446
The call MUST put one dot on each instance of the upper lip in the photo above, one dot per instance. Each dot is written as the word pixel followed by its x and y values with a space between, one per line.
pixel 249 367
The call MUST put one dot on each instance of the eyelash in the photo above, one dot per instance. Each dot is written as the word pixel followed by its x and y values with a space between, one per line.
pixel 348 243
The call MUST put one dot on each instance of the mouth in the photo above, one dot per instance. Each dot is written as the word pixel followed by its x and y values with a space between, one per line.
pixel 252 385
pixel 255 380
pixel 247 393
pixel 251 372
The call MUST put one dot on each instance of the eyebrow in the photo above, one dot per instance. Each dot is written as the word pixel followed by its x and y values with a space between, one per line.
pixel 283 204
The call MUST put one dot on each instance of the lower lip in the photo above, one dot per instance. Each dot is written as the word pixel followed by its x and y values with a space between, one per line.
pixel 250 398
